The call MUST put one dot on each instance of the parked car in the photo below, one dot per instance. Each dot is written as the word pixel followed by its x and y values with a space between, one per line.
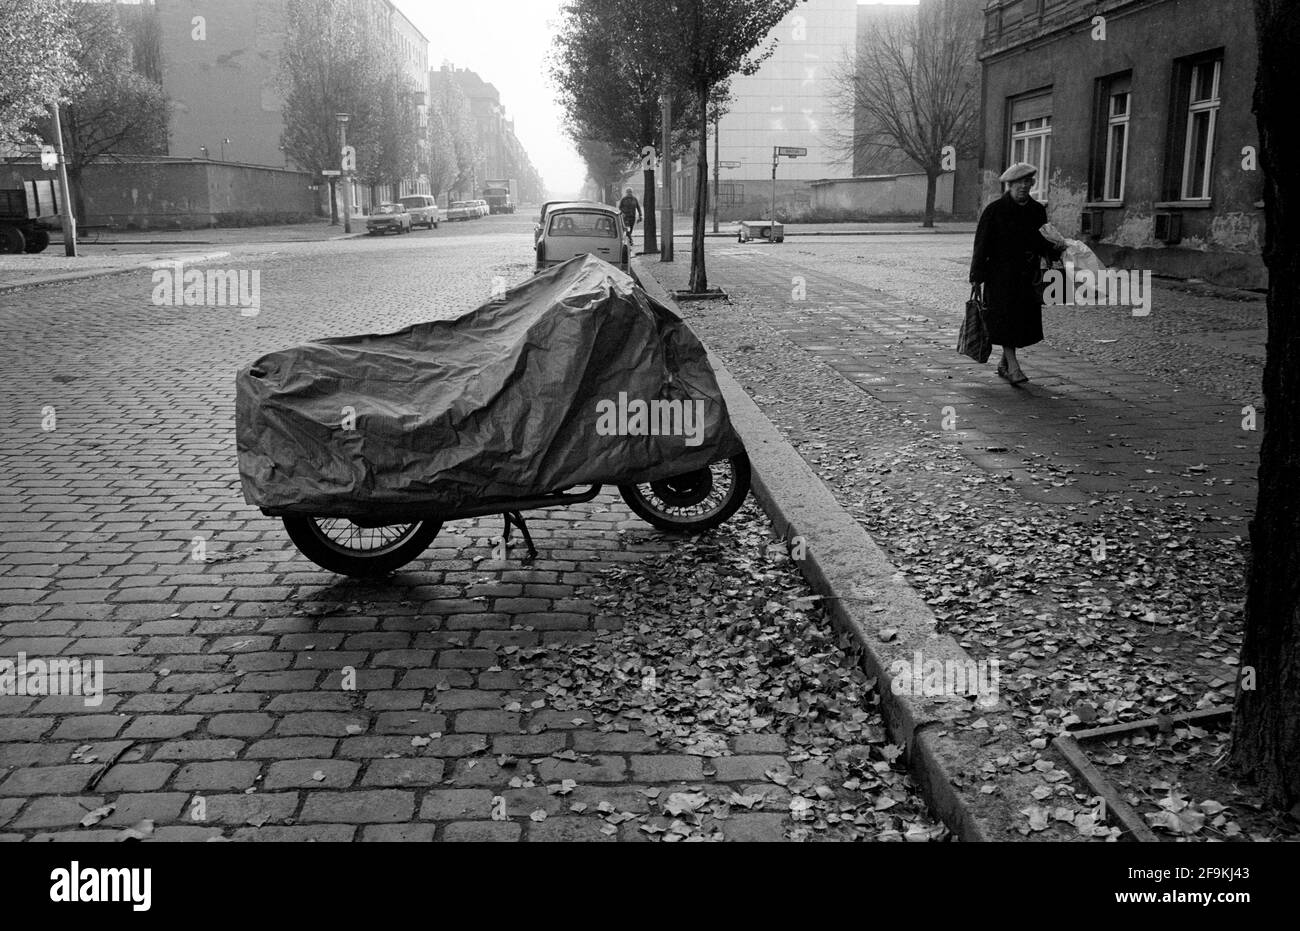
pixel 578 228
pixel 388 218
pixel 541 219
pixel 461 210
pixel 484 209
pixel 423 209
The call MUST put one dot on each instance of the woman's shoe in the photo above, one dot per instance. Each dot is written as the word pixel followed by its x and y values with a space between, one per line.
pixel 1002 369
pixel 1018 379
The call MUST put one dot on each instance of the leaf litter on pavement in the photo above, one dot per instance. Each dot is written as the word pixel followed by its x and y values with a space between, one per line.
pixel 721 639
pixel 1123 608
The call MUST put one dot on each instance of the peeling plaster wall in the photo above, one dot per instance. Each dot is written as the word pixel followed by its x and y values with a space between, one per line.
pixel 1066 197
pixel 1240 232
pixel 1057 53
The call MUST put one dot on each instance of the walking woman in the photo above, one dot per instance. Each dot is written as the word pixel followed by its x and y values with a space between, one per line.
pixel 1008 246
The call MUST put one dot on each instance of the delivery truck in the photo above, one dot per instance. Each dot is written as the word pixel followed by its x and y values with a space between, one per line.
pixel 502 196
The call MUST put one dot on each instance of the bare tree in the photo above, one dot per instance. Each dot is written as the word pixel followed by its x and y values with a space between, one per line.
pixel 1266 722
pixel 914 90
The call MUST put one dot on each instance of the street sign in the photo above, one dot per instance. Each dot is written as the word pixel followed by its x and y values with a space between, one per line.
pixel 331 173
pixel 790 151
pixel 49 158
pixel 729 164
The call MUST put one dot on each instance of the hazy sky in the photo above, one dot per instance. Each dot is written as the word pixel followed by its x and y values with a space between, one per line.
pixel 506 42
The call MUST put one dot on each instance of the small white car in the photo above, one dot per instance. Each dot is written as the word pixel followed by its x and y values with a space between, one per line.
pixel 581 228
pixel 388 218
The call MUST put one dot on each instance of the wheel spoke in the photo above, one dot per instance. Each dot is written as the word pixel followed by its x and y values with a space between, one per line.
pixel 724 479
pixel 348 537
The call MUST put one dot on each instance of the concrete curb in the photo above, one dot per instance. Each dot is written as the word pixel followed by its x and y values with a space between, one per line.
pixel 105 272
pixel 866 595
pixel 216 242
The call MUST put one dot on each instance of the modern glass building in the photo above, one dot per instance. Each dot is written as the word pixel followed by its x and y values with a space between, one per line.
pixel 789 101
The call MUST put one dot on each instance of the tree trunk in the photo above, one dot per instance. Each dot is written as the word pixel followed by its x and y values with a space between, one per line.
pixel 1266 722
pixel 699 276
pixel 648 225
pixel 931 185
pixel 78 192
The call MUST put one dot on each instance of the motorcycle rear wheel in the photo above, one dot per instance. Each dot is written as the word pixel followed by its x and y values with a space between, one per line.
pixel 692 502
pixel 339 545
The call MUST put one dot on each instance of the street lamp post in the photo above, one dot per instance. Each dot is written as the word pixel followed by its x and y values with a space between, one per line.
pixel 224 143
pixel 67 218
pixel 717 169
pixel 347 181
pixel 666 176
pixel 204 150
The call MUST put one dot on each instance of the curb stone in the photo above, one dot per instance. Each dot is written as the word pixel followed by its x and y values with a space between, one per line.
pixel 105 272
pixel 865 594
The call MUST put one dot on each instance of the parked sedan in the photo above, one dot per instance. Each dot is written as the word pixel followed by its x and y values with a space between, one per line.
pixel 581 228
pixel 541 219
pixel 389 218
pixel 461 210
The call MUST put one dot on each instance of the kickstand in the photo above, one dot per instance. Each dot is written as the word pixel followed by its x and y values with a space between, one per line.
pixel 516 519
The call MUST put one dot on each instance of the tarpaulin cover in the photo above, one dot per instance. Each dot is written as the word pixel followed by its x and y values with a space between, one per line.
pixel 548 388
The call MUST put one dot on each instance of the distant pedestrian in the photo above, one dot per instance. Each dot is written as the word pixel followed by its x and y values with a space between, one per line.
pixel 630 207
pixel 1008 247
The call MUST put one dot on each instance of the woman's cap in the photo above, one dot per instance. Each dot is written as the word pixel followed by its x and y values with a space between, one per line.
pixel 1019 170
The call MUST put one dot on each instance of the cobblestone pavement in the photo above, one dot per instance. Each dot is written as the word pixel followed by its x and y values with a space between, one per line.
pixel 124 538
pixel 1085 530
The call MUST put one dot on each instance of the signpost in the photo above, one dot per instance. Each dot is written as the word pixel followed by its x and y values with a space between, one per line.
pixel 778 151
pixel 666 174
pixel 346 154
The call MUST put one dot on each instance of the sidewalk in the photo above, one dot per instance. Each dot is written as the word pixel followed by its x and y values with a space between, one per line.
pixel 1085 531
pixel 730 228
pixel 103 252
pixel 315 231
pixel 26 271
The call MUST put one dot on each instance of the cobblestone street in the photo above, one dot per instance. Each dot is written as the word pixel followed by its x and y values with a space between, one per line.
pixel 483 706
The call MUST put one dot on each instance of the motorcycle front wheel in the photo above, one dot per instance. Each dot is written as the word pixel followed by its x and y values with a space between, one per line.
pixel 693 501
pixel 339 545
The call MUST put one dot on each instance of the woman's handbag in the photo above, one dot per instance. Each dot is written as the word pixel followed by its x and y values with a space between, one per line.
pixel 973 339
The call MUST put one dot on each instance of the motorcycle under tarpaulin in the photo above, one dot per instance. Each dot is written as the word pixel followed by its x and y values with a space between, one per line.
pixel 365 445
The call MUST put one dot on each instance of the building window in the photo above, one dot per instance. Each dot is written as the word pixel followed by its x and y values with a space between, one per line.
pixel 1030 118
pixel 1198 139
pixel 1110 138
pixel 730 193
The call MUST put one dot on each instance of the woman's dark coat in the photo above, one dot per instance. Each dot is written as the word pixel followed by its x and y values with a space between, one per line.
pixel 1007 249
